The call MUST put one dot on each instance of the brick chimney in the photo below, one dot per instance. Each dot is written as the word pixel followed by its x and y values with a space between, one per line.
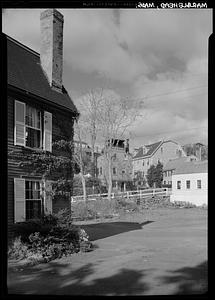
pixel 51 48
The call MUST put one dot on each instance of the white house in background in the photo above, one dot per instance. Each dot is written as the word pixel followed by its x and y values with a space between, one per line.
pixel 170 167
pixel 149 155
pixel 190 183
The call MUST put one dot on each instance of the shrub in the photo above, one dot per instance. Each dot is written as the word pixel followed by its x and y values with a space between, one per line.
pixel 18 249
pixel 63 218
pixel 24 229
pixel 50 247
pixel 48 238
pixel 84 211
pixel 123 204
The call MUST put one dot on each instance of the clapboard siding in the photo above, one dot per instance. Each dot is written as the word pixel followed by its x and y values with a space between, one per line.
pixel 13 170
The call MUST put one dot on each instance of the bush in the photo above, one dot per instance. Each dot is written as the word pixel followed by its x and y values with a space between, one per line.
pixel 48 238
pixel 84 211
pixel 24 229
pixel 103 208
pixel 123 204
pixel 18 249
pixel 94 209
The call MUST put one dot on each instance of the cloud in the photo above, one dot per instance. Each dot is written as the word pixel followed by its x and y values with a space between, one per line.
pixel 95 46
pixel 181 95
pixel 122 44
pixel 158 125
pixel 23 25
pixel 153 53
pixel 166 39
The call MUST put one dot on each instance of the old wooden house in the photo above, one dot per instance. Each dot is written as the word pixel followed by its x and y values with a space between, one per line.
pixel 38 104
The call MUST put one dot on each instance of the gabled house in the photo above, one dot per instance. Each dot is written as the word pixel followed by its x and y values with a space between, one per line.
pixel 38 104
pixel 190 183
pixel 170 167
pixel 151 154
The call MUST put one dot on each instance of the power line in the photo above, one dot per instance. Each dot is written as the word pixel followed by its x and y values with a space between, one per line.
pixel 185 75
pixel 153 96
pixel 188 97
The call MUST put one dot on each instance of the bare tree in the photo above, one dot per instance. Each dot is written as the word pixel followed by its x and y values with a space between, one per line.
pixel 115 117
pixel 106 117
pixel 89 107
pixel 79 152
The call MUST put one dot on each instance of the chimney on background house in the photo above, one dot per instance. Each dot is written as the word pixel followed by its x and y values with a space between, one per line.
pixel 51 47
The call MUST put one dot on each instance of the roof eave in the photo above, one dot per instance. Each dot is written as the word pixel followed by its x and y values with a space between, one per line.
pixel 16 89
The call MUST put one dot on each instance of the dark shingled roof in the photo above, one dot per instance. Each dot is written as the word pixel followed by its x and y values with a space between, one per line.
pixel 25 72
pixel 192 167
pixel 151 148
pixel 173 164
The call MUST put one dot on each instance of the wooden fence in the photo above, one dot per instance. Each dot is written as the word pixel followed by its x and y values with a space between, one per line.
pixel 129 195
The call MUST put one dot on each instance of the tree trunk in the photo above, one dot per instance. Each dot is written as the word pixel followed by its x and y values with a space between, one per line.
pixel 43 196
pixel 109 176
pixel 93 140
pixel 83 181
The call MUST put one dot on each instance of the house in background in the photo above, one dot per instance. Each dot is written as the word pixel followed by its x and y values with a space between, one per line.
pixel 121 166
pixel 149 155
pixel 198 149
pixel 88 151
pixel 38 109
pixel 170 167
pixel 190 183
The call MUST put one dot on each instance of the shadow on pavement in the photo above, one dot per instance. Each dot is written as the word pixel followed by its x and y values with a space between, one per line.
pixel 102 230
pixel 189 280
pixel 50 280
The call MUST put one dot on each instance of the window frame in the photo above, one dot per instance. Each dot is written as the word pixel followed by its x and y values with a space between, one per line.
pixel 188 186
pixel 178 185
pixel 34 199
pixel 21 127
pixel 197 184
pixel 34 128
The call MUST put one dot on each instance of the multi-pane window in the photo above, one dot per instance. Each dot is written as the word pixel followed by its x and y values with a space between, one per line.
pixel 188 184
pixel 33 127
pixel 199 184
pixel 178 185
pixel 28 131
pixel 32 199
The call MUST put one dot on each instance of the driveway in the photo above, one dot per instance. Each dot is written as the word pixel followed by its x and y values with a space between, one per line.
pixel 160 252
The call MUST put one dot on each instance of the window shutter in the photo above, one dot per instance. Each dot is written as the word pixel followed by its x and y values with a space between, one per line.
pixel 48 197
pixel 19 199
pixel 47 141
pixel 19 134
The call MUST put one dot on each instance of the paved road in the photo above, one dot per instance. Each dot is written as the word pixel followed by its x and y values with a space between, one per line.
pixel 162 252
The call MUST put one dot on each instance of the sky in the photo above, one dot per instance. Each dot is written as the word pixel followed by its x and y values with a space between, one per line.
pixel 159 56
